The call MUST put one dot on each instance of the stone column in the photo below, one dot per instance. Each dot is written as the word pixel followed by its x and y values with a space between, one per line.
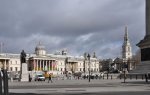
pixel 8 65
pixel 49 65
pixel 34 64
pixel 5 64
pixel 52 65
pixel 40 65
pixel 145 43
pixel 148 17
pixel 37 65
pixel 46 64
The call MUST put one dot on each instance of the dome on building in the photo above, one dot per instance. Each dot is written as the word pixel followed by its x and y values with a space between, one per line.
pixel 40 50
pixel 39 47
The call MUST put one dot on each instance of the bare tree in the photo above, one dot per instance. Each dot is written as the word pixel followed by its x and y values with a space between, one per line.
pixel 137 58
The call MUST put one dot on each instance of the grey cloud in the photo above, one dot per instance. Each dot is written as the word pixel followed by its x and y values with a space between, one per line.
pixel 62 23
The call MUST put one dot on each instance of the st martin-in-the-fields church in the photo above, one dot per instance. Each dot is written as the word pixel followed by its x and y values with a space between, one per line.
pixel 126 63
pixel 126 49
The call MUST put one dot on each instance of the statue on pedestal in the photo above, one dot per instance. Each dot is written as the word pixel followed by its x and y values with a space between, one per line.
pixel 24 76
pixel 23 57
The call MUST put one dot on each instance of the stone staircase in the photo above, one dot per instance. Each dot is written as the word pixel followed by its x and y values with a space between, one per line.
pixel 142 68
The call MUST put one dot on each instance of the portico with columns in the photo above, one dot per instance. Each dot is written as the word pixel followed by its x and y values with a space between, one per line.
pixel 4 63
pixel 42 64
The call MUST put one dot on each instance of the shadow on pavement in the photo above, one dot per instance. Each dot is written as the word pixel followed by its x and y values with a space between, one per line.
pixel 25 94
pixel 100 93
pixel 137 82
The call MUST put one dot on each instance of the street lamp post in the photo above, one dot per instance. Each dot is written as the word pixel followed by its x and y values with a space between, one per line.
pixel 124 75
pixel 124 70
pixel 85 58
pixel 66 61
pixel 84 68
pixel 89 66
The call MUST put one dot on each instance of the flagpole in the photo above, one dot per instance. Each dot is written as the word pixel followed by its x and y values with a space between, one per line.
pixel 1 46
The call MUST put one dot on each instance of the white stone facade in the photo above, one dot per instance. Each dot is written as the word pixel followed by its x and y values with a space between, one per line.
pixel 40 61
pixel 14 64
pixel 11 62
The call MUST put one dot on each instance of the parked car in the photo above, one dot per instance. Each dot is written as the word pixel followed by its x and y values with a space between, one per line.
pixel 16 77
pixel 39 77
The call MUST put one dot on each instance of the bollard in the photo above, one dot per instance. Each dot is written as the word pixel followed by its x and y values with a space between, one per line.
pixel 136 77
pixel 120 76
pixel 5 78
pixel 111 77
pixel 142 76
pixel 130 77
pixel 0 83
pixel 146 78
pixel 103 76
pixel 107 76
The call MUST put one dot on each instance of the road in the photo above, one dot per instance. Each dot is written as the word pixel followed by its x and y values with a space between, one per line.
pixel 80 87
pixel 100 93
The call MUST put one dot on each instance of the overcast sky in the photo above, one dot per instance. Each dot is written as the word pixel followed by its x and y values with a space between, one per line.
pixel 76 25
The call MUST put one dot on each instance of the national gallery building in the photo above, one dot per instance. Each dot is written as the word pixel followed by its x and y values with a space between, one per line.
pixel 41 61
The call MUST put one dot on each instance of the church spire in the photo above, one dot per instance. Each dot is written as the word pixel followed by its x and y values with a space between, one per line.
pixel 126 47
pixel 126 34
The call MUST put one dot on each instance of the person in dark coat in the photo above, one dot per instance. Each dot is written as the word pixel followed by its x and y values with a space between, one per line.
pixel 50 78
pixel 30 78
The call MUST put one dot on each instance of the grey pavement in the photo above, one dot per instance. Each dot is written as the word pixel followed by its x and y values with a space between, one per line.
pixel 80 87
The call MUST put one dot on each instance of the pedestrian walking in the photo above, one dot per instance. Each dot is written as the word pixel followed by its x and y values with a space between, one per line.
pixel 50 78
pixel 30 78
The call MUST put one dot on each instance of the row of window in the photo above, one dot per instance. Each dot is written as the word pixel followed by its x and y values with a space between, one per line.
pixel 81 69
pixel 16 62
pixel 16 69
pixel 79 64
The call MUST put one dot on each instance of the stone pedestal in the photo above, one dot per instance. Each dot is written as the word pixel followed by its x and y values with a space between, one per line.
pixel 142 68
pixel 25 74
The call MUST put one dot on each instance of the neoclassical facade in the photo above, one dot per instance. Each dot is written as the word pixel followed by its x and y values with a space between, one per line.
pixel 41 61
pixel 61 63
pixel 11 62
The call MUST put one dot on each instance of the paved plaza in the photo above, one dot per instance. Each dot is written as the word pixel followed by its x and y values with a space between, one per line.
pixel 80 87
